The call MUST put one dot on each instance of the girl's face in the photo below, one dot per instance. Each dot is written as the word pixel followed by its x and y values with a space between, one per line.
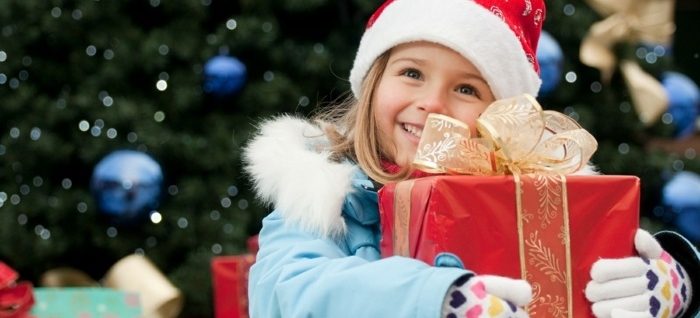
pixel 422 78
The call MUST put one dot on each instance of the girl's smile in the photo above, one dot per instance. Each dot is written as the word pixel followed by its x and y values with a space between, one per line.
pixel 413 130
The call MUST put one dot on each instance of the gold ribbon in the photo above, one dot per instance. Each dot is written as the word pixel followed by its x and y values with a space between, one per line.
pixel 630 21
pixel 133 273
pixel 515 137
pixel 545 244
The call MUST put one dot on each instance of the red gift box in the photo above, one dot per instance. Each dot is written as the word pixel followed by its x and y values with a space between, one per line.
pixel 230 282
pixel 16 298
pixel 493 231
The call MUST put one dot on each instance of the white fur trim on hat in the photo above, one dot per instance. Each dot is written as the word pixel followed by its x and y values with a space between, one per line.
pixel 462 25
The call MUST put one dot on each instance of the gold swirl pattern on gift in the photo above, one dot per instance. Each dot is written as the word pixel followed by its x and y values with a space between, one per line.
pixel 546 305
pixel 544 259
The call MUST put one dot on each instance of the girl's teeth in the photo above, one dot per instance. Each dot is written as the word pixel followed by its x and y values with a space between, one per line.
pixel 413 130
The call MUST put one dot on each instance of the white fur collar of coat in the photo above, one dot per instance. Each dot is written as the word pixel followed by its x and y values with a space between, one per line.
pixel 293 173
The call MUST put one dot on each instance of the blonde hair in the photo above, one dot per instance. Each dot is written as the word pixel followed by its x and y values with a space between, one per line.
pixel 352 129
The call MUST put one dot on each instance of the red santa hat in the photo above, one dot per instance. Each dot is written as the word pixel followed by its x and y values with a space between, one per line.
pixel 498 36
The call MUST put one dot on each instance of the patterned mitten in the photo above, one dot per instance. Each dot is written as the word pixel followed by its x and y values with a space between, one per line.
pixel 652 285
pixel 487 296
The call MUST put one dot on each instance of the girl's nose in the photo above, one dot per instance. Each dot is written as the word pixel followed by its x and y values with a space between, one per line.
pixel 434 101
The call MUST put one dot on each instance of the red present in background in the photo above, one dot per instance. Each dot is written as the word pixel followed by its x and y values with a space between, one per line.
pixel 16 298
pixel 230 282
pixel 477 219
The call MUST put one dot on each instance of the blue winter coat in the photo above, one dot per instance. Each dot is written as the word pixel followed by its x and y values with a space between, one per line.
pixel 298 274
pixel 319 264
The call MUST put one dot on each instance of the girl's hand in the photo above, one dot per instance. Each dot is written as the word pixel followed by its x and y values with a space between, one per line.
pixel 487 296
pixel 652 285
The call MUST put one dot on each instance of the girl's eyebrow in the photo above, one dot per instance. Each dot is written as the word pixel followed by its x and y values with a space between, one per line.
pixel 470 75
pixel 409 59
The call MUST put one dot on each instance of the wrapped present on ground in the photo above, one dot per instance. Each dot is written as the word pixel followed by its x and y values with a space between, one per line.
pixel 85 302
pixel 134 279
pixel 16 298
pixel 230 282
pixel 519 213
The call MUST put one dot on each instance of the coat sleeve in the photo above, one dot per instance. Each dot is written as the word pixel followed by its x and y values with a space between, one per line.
pixel 297 274
pixel 687 255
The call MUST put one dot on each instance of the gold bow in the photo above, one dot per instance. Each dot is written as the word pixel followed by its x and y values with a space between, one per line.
pixel 515 136
pixel 632 21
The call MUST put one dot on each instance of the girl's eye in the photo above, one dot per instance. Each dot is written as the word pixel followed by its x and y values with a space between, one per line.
pixel 412 73
pixel 467 89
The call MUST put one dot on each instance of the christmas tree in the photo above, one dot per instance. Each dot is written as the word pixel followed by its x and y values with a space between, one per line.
pixel 185 83
pixel 605 104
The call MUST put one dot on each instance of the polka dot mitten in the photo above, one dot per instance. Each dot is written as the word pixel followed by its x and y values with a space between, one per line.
pixel 652 285
pixel 487 296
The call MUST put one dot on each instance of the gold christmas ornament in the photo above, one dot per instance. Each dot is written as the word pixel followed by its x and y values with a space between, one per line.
pixel 66 277
pixel 630 21
pixel 136 273
pixel 648 95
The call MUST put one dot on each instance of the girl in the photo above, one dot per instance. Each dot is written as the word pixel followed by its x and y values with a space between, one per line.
pixel 319 249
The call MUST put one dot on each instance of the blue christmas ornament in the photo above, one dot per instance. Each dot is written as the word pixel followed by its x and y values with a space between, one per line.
pixel 682 191
pixel 688 223
pixel 223 76
pixel 682 195
pixel 684 100
pixel 127 185
pixel 550 57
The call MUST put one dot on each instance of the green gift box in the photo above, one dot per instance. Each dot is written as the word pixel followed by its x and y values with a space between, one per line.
pixel 85 303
